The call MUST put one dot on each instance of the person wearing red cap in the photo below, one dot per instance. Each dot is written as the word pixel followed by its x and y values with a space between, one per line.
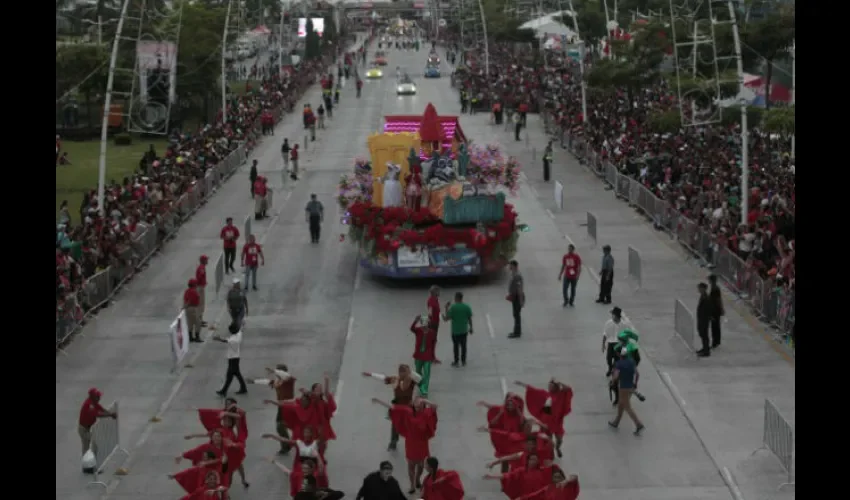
pixel 191 303
pixel 260 191
pixel 201 279
pixel 229 235
pixel 89 413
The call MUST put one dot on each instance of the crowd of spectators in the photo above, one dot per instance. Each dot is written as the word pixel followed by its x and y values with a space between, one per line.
pixel 87 242
pixel 697 169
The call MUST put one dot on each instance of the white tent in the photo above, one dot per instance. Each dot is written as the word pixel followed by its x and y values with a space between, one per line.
pixel 548 25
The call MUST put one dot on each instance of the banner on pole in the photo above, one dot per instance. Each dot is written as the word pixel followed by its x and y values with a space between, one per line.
pixel 180 338
pixel 559 195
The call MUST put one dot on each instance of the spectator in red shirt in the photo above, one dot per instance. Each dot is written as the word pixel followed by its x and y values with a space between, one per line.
pixel 252 257
pixel 229 235
pixel 191 303
pixel 570 272
pixel 260 192
pixel 89 413
pixel 201 279
pixel 293 157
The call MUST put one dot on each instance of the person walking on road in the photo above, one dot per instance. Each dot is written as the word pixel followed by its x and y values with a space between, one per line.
pixel 606 276
pixel 89 413
pixel 252 176
pixel 610 337
pixel 315 214
pixel 516 296
pixel 717 310
pixel 424 352
pixel 252 257
pixel 293 155
pixel 517 119
pixel 570 272
pixel 201 279
pixel 284 387
pixel 705 313
pixel 626 377
pixel 284 151
pixel 460 314
pixel 547 162
pixel 229 235
pixel 404 386
pixel 234 347
pixel 381 485
pixel 237 302
pixel 191 302
pixel 260 191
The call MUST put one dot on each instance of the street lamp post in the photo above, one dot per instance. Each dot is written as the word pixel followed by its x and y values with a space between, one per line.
pixel 581 54
pixel 107 108
pixel 745 133
pixel 794 94
pixel 224 63
pixel 486 45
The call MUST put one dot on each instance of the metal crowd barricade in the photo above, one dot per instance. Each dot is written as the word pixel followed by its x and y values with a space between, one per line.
pixel 100 288
pixel 247 226
pixel 772 304
pixel 635 266
pixel 219 273
pixel 684 325
pixel 778 437
pixel 591 227
pixel 106 442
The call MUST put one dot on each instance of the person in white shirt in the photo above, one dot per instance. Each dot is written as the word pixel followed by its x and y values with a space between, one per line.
pixel 613 326
pixel 234 343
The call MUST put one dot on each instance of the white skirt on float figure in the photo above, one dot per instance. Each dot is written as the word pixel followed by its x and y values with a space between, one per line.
pixel 392 193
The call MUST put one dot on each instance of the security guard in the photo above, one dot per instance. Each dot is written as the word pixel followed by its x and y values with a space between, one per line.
pixel 547 162
pixel 464 100
pixel 315 213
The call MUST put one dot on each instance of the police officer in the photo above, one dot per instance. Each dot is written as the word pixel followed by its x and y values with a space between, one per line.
pixel 705 311
pixel 237 302
pixel 606 276
pixel 547 161
pixel 315 214
pixel 464 99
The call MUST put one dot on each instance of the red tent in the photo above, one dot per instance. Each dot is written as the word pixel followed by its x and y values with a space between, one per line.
pixel 261 30
pixel 778 93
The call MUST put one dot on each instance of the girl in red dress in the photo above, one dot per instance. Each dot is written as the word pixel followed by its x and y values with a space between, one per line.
pixel 308 467
pixel 306 447
pixel 313 408
pixel 562 487
pixel 441 484
pixel 417 424
pixel 232 445
pixel 189 479
pixel 211 489
pixel 550 406
pixel 507 417
pixel 526 480
pixel 524 445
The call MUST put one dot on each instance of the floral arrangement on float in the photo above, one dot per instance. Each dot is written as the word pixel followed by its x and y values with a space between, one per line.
pixel 489 166
pixel 356 187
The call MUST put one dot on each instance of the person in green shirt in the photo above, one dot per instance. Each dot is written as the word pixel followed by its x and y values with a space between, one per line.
pixel 460 314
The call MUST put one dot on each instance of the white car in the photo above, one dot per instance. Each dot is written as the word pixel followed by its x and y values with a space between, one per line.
pixel 406 87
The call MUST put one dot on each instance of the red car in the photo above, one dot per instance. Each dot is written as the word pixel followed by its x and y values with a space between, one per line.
pixel 380 59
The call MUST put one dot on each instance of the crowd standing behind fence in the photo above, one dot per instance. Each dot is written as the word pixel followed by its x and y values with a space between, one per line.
pixel 81 295
pixel 770 295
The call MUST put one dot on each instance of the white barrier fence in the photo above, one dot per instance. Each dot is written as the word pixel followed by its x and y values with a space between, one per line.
pixel 106 442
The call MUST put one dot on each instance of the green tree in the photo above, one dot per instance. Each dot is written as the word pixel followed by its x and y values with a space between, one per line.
pixel 779 120
pixel 770 39
pixel 330 35
pixel 81 72
pixel 704 91
pixel 665 122
pixel 312 42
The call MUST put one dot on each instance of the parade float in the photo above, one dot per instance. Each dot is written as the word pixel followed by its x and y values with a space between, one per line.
pixel 430 203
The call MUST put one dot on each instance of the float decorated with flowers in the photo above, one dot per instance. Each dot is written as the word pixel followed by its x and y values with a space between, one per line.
pixel 429 203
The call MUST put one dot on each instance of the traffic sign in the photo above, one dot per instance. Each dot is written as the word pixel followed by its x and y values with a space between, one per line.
pixel 442 23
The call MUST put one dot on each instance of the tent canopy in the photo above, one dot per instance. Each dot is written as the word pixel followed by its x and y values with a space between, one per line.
pixel 261 30
pixel 548 24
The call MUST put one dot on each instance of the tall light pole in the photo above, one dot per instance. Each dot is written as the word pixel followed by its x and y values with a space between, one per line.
pixel 280 46
pixel 794 94
pixel 745 132
pixel 224 63
pixel 486 45
pixel 581 55
pixel 107 108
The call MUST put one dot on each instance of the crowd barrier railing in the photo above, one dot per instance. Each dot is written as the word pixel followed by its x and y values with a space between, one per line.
pixel 684 325
pixel 771 301
pixel 106 442
pixel 248 219
pixel 778 438
pixel 219 273
pixel 635 266
pixel 99 288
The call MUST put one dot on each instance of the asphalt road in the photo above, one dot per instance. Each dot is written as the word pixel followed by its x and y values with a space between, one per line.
pixel 315 312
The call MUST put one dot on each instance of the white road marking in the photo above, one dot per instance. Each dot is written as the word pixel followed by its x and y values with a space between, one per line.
pixel 357 278
pixel 490 326
pixel 534 191
pixel 504 386
pixel 338 395
pixel 550 214
pixel 733 486
pixel 673 390
pixel 286 198
pixel 350 332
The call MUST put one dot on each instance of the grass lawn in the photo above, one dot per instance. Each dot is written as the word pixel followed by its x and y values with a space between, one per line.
pixel 72 181
pixel 238 88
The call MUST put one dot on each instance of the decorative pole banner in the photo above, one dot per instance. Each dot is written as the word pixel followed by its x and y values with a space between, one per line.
pixel 180 337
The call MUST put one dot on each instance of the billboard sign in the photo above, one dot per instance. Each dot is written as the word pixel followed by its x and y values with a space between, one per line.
pixel 318 26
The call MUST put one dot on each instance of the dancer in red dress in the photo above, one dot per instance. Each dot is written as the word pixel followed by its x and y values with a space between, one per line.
pixel 550 406
pixel 524 444
pixel 211 489
pixel 562 487
pixel 417 424
pixel 524 481
pixel 306 447
pixel 508 417
pixel 313 408
pixel 308 467
pixel 441 484
pixel 193 477
pixel 404 386
pixel 232 445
